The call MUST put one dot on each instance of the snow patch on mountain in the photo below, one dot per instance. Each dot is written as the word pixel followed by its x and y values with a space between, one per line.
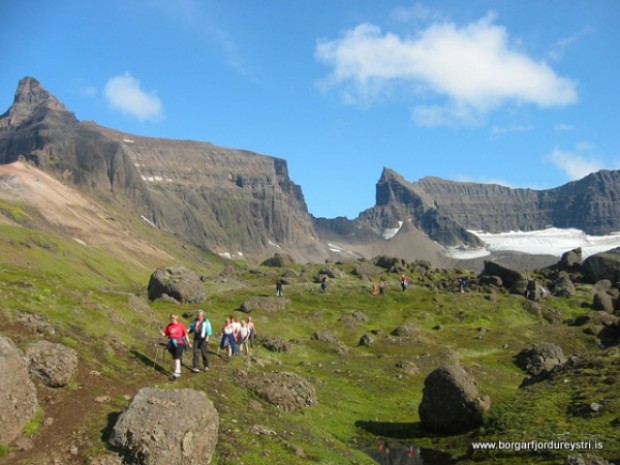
pixel 551 241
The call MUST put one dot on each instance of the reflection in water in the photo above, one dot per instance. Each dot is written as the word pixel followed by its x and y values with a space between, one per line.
pixel 397 452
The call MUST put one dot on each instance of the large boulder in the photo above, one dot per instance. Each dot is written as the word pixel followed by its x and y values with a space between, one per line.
pixel 161 427
pixel 541 358
pixel 451 402
pixel 279 260
pixel 286 390
pixel 178 283
pixel 18 395
pixel 604 265
pixel 508 275
pixel 55 364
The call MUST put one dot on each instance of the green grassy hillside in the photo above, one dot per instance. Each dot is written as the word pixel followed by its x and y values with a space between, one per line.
pixel 97 303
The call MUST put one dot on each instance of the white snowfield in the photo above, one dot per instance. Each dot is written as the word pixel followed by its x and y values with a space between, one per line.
pixel 551 241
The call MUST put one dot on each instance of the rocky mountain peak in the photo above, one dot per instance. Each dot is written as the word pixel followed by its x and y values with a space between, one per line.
pixel 30 99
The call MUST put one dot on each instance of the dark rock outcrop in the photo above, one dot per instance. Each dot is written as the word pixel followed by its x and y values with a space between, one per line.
pixel 509 277
pixel 53 363
pixel 18 395
pixel 161 427
pixel 451 402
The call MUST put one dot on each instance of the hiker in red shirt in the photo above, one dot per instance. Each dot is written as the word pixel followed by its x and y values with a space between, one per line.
pixel 177 342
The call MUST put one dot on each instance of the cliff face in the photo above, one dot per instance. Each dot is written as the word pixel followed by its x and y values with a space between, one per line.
pixel 218 198
pixel 591 204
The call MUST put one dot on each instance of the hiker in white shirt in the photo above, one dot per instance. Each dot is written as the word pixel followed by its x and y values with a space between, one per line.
pixel 244 337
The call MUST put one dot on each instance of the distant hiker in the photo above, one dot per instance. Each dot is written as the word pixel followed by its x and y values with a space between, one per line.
pixel 279 287
pixel 252 329
pixel 200 328
pixel 530 290
pixel 177 342
pixel 228 339
pixel 382 288
pixel 375 289
pixel 324 281
pixel 404 282
pixel 462 284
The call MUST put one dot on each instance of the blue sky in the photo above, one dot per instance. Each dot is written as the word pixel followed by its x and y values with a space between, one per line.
pixel 522 93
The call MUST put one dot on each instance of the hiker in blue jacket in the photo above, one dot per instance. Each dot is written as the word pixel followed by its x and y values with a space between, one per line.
pixel 201 330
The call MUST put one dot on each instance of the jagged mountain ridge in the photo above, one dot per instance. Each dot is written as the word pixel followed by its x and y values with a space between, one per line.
pixel 231 200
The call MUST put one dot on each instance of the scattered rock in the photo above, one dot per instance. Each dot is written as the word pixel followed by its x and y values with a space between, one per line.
pixel 451 402
pixel 177 283
pixel 541 358
pixel 367 340
pixel 408 367
pixel 601 300
pixel 563 286
pixel 18 395
pixel 106 459
pixel 260 429
pixel 406 329
pixel 53 363
pixel 35 323
pixel 286 390
pixel 585 459
pixel 325 336
pixel 271 304
pixel 274 344
pixel 161 427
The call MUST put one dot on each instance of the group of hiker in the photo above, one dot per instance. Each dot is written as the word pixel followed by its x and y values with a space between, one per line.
pixel 235 338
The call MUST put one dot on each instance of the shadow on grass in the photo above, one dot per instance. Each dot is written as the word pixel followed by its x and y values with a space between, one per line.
pixel 159 355
pixel 107 431
pixel 395 444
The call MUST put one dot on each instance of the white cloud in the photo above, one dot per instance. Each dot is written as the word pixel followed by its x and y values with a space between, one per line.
pixel 576 163
pixel 563 127
pixel 472 70
pixel 124 93
pixel 512 128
